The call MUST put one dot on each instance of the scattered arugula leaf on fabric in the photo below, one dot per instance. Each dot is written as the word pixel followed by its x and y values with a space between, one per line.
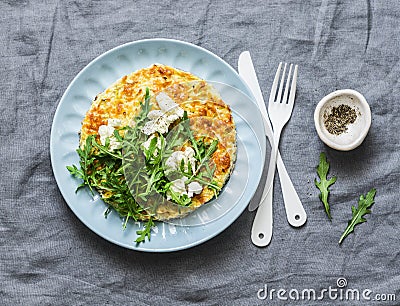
pixel 324 183
pixel 358 213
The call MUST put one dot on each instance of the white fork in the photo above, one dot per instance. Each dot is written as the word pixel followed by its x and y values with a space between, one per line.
pixel 280 110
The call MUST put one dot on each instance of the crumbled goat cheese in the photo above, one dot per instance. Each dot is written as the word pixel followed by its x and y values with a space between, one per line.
pixel 107 131
pixel 161 119
pixel 174 161
pixel 194 188
pixel 178 186
pixel 168 106
pixel 160 125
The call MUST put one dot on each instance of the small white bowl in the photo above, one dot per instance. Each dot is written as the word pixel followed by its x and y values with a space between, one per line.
pixel 356 131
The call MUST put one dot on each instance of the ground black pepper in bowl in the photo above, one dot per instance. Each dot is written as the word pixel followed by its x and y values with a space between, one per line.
pixel 337 121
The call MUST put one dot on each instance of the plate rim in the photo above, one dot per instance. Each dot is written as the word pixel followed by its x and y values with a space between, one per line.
pixel 141 248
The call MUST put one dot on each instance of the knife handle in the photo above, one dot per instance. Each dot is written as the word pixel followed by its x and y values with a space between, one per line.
pixel 261 232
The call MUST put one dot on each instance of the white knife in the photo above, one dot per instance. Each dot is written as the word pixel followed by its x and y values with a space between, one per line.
pixel 295 212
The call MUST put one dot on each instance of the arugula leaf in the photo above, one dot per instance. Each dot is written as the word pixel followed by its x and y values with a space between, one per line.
pixel 102 169
pixel 86 162
pixel 358 213
pixel 324 183
pixel 203 153
pixel 145 232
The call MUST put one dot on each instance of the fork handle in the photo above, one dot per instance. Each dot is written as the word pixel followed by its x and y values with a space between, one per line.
pixel 295 212
pixel 261 231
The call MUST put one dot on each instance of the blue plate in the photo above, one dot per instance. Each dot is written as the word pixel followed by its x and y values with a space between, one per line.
pixel 105 70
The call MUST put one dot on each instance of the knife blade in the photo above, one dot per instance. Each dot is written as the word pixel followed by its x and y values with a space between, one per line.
pixel 248 73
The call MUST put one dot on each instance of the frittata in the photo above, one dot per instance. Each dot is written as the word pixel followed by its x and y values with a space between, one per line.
pixel 209 116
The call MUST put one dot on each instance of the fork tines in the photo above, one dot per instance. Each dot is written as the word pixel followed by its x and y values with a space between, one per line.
pixel 277 95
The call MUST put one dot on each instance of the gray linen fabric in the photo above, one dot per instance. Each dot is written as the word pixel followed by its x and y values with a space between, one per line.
pixel 49 257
